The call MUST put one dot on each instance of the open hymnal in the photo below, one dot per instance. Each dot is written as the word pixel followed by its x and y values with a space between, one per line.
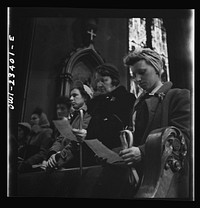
pixel 102 151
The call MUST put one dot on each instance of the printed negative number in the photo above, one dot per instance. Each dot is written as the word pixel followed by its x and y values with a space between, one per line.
pixel 11 82
pixel 11 67
pixel 11 38
pixel 10 100
pixel 12 60
pixel 11 75
pixel 11 106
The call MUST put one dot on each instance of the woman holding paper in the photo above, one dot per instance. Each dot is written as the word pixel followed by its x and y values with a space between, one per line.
pixel 63 107
pixel 79 96
pixel 39 141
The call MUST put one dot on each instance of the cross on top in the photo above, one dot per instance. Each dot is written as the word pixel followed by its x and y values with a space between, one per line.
pixel 91 34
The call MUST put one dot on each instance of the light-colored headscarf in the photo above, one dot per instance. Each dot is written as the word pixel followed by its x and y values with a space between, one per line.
pixel 147 54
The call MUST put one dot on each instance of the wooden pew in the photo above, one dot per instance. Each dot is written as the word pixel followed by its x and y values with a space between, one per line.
pixel 59 183
pixel 164 165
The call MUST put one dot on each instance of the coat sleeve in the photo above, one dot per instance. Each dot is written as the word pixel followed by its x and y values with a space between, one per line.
pixel 66 154
pixel 57 145
pixel 46 140
pixel 176 112
pixel 180 113
pixel 68 151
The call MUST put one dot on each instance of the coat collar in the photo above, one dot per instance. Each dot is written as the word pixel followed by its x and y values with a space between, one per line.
pixel 165 87
pixel 84 108
pixel 160 93
pixel 157 96
pixel 35 129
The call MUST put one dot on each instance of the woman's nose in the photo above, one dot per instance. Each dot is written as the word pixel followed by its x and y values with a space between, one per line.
pixel 138 78
pixel 58 110
pixel 71 98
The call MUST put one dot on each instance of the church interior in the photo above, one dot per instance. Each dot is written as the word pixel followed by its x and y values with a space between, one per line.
pixel 53 46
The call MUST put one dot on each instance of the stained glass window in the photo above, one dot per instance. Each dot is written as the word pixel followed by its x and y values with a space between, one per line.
pixel 159 44
pixel 137 33
pixel 138 36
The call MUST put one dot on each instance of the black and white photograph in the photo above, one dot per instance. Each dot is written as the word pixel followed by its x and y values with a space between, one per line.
pixel 100 103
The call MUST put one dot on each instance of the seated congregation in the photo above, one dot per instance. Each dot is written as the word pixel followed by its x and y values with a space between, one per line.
pixel 138 147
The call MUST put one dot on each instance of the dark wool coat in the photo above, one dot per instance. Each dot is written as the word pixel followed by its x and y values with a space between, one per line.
pixel 69 150
pixel 38 145
pixel 171 109
pixel 110 114
pixel 39 142
pixel 61 142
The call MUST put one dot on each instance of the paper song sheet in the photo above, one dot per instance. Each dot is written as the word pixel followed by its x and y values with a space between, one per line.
pixel 102 151
pixel 65 129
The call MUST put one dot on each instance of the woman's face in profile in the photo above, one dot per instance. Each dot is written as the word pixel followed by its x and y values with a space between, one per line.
pixel 145 75
pixel 35 119
pixel 77 100
pixel 62 111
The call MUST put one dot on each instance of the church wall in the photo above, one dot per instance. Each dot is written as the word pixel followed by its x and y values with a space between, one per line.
pixel 53 40
pixel 52 43
pixel 179 36
pixel 112 42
